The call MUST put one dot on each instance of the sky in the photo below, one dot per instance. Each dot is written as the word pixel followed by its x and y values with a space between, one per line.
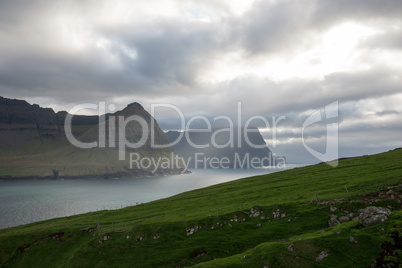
pixel 278 59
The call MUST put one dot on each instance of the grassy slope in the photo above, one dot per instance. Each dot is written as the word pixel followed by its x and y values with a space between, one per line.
pixel 226 245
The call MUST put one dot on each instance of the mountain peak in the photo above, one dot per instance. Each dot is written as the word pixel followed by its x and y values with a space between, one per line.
pixel 135 105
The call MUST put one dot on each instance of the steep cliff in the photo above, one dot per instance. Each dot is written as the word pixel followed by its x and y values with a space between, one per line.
pixel 222 148
pixel 33 143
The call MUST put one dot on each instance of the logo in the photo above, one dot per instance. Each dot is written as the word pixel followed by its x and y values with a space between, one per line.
pixel 329 112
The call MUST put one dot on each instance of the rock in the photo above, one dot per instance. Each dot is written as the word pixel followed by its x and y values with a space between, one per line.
pixel 290 248
pixel 198 253
pixel 322 255
pixel 128 237
pixel 333 221
pixel 157 236
pixel 332 209
pixel 351 215
pixel 344 219
pixel 373 215
pixel 258 224
pixel 355 219
pixel 352 240
pixel 283 215
pixel 338 233
pixel 390 192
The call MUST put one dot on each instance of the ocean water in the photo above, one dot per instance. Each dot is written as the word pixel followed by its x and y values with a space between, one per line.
pixel 23 202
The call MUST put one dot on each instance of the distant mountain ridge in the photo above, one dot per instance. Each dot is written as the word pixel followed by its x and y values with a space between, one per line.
pixel 234 155
pixel 33 143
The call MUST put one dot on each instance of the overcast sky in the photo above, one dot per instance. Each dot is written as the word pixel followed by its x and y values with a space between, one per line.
pixel 278 58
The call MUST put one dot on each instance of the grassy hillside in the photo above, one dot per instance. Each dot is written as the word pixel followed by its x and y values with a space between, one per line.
pixel 158 234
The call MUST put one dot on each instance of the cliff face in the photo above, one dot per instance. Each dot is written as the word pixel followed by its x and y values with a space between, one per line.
pixel 33 143
pixel 239 152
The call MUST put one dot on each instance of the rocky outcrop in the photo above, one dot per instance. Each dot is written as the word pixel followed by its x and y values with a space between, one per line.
pixel 373 215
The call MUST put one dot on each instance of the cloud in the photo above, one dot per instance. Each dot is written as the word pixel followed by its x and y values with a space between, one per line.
pixel 275 57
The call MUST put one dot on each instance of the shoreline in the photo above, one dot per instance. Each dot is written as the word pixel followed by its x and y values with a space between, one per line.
pixel 138 174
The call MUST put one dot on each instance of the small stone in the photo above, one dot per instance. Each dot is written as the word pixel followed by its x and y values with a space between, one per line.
pixel 332 209
pixel 290 248
pixel 390 192
pixel 338 233
pixel 352 240
pixel 351 215
pixel 244 257
pixel 344 219
pixel 322 255
pixel 258 224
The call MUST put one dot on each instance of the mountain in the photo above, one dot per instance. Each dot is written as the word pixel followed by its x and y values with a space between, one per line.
pixel 231 148
pixel 33 143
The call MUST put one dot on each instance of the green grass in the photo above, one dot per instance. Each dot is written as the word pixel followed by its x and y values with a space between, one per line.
pixel 227 243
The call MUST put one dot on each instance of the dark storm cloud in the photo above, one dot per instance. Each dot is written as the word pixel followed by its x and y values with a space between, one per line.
pixel 168 54
pixel 272 28
pixel 170 51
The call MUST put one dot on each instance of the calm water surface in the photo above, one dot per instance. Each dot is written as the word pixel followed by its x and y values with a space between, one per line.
pixel 23 202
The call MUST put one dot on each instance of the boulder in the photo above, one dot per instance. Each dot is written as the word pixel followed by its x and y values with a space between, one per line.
pixel 344 219
pixel 333 221
pixel 373 215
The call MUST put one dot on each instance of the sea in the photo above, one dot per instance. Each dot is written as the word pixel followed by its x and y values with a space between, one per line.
pixel 23 202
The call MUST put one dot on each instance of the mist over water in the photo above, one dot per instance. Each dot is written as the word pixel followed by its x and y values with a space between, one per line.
pixel 23 202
